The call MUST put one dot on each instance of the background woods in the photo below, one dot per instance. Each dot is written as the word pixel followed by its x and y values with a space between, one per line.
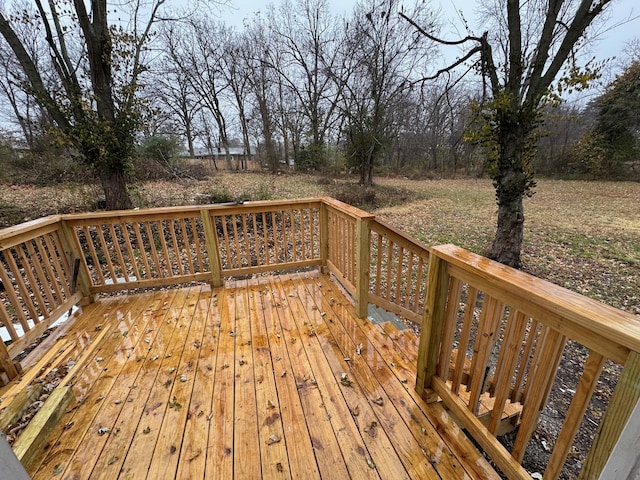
pixel 115 94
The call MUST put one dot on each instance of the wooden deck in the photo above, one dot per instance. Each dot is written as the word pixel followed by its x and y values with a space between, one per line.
pixel 268 378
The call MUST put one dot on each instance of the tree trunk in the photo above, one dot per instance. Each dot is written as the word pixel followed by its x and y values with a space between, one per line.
pixel 114 185
pixel 509 232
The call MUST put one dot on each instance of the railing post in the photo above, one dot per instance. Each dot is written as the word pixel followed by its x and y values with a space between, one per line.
pixel 324 237
pixel 213 251
pixel 623 401
pixel 432 322
pixel 363 235
pixel 7 364
pixel 73 251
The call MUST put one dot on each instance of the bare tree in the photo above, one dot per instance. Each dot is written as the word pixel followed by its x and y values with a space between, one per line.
pixel 531 43
pixel 382 56
pixel 173 88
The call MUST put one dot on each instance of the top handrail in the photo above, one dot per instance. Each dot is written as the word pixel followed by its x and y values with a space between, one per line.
pixel 600 327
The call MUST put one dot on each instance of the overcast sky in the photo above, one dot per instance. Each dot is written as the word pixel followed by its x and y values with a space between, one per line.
pixel 611 40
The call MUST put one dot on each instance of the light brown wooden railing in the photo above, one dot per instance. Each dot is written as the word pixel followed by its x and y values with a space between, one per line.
pixel 491 335
pixel 495 333
pixel 36 278
pixel 398 271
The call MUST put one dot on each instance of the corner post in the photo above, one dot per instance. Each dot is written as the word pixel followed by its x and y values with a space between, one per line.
pixel 324 237
pixel 73 252
pixel 213 251
pixel 621 406
pixel 7 364
pixel 432 323
pixel 363 257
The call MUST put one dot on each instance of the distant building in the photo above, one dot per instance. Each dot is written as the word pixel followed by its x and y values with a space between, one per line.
pixel 219 153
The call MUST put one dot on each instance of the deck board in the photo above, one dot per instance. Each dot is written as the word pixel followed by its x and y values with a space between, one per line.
pixel 246 381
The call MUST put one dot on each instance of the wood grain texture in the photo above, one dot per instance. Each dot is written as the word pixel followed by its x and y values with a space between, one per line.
pixel 262 395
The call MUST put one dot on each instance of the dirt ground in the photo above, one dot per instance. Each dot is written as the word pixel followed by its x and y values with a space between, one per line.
pixel 584 236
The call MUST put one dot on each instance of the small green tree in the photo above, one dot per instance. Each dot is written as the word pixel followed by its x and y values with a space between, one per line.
pixel 162 149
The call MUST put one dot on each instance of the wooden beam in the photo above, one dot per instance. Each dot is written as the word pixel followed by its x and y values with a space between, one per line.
pixel 363 238
pixel 324 237
pixel 213 251
pixel 19 405
pixel 29 445
pixel 432 323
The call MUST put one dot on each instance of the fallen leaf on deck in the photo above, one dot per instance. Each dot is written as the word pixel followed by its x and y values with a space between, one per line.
pixel 273 439
pixel 379 401
pixel 146 430
pixel 344 380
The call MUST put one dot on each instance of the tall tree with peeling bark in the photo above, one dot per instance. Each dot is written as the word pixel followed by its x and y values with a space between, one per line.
pixel 533 41
pixel 90 86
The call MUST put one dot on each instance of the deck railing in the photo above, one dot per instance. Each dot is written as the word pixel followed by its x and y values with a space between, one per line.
pixel 492 331
pixel 491 335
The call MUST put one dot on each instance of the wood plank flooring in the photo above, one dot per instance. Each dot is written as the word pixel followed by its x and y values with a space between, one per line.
pixel 267 378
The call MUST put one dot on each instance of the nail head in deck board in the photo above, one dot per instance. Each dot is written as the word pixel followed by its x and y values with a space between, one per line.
pixel 29 445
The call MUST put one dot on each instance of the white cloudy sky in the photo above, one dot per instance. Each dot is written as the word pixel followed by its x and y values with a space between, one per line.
pixel 610 43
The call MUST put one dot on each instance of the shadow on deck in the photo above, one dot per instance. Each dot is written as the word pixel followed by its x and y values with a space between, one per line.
pixel 269 378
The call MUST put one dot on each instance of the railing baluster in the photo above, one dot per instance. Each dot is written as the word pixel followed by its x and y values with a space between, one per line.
pixel 127 243
pixel 41 280
pixel 148 226
pixel 505 369
pixel 118 250
pixel 10 292
pixel 187 244
pixel 143 253
pixel 579 403
pixel 465 334
pixel 56 255
pixel 490 318
pixel 553 345
pixel 176 249
pixel 449 330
